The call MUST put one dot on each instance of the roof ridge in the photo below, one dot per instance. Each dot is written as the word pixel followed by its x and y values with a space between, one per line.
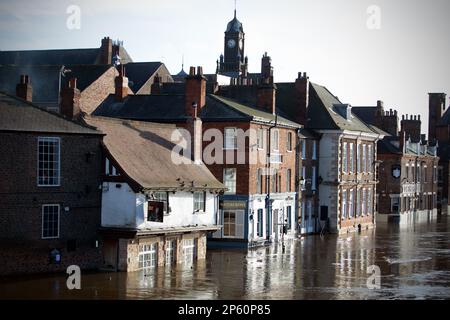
pixel 35 50
pixel 130 121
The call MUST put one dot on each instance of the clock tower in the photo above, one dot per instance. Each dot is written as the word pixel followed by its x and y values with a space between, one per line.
pixel 233 63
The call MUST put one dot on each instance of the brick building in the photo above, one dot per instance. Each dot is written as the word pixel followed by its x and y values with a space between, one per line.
pixel 408 166
pixel 243 207
pixel 50 198
pixel 439 134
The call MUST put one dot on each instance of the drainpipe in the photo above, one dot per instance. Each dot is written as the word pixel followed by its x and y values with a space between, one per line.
pixel 269 149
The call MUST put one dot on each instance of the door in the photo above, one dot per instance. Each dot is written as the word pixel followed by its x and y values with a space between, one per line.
pixel 110 248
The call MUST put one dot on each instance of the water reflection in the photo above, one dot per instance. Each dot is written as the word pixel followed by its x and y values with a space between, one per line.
pixel 413 258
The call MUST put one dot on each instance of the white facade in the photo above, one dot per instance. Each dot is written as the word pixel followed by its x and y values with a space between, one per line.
pixel 122 207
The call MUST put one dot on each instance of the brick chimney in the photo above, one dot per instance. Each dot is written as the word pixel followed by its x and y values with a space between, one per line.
pixel 411 126
pixel 70 100
pixel 195 92
pixel 266 68
pixel 194 126
pixel 106 51
pixel 24 89
pixel 266 96
pixel 121 84
pixel 156 85
pixel 302 97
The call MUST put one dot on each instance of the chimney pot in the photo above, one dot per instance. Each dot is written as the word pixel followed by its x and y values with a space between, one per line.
pixel 199 71
pixel 192 71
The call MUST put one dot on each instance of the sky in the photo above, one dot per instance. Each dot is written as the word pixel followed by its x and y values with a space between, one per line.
pixel 361 50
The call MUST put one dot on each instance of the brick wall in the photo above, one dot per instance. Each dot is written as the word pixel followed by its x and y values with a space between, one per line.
pixel 22 249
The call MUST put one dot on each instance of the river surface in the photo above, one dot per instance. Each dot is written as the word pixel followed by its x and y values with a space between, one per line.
pixel 414 261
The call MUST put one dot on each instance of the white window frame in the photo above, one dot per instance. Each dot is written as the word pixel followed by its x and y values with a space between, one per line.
pixel 314 178
pixel 370 156
pixel 58 178
pixel 364 158
pixel 350 203
pixel 148 250
pixel 170 252
pixel 189 253
pixel 42 220
pixel 260 139
pixel 227 138
pixel 275 143
pixel 364 202
pixel 199 195
pixel 344 204
pixel 238 215
pixel 352 157
pixel 228 183
pixel 344 158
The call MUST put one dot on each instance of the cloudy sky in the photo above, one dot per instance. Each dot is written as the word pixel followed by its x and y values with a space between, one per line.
pixel 362 50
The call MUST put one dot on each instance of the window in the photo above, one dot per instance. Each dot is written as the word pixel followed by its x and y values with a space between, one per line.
pixel 48 161
pixel 364 202
pixel 313 179
pixel 350 204
pixel 370 156
pixel 230 141
pixel 395 204
pixel 289 217
pixel 369 202
pixel 155 211
pixel 233 223
pixel 147 255
pixel 364 158
pixel 435 174
pixel 260 139
pixel 259 181
pixel 275 140
pixel 188 251
pixel 199 201
pixel 303 186
pixel 289 141
pixel 274 181
pixel 344 204
pixel 425 178
pixel 288 180
pixel 229 180
pixel 358 158
pixel 314 151
pixel 50 221
pixel 418 173
pixel 259 223
pixel 279 183
pixel 170 252
pixel 303 149
pixel 352 158
pixel 164 198
pixel 344 158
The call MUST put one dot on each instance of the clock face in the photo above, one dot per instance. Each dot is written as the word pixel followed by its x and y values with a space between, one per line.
pixel 231 43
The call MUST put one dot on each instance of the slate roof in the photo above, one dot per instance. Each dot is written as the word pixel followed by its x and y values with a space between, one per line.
pixel 19 115
pixel 321 112
pixel 366 114
pixel 143 150
pixel 45 80
pixel 170 108
pixel 57 56
pixel 138 73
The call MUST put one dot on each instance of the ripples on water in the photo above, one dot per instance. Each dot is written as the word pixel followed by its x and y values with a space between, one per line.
pixel 414 262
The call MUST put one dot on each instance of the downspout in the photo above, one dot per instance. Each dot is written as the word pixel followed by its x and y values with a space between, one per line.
pixel 269 149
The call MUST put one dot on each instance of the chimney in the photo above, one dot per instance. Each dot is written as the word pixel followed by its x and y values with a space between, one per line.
pixel 24 89
pixel 195 92
pixel 302 97
pixel 156 85
pixel 412 127
pixel 70 100
pixel 121 84
pixel 106 51
pixel 266 68
pixel 266 96
pixel 194 125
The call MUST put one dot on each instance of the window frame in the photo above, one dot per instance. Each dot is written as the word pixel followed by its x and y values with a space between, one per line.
pixel 289 142
pixel 202 202
pixel 49 139
pixel 227 181
pixel 59 221
pixel 152 253
pixel 225 147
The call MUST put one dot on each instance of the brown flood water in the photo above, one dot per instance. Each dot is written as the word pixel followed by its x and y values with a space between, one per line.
pixel 414 262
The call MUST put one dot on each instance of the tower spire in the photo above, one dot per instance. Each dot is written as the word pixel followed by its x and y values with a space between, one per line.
pixel 235 8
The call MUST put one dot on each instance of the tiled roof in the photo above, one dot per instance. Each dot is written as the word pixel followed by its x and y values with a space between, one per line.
pixel 138 73
pixel 19 115
pixel 144 151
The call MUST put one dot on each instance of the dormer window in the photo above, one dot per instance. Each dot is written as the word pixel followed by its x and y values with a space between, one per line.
pixel 344 110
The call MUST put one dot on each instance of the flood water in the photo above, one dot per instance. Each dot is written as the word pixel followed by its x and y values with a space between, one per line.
pixel 414 261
